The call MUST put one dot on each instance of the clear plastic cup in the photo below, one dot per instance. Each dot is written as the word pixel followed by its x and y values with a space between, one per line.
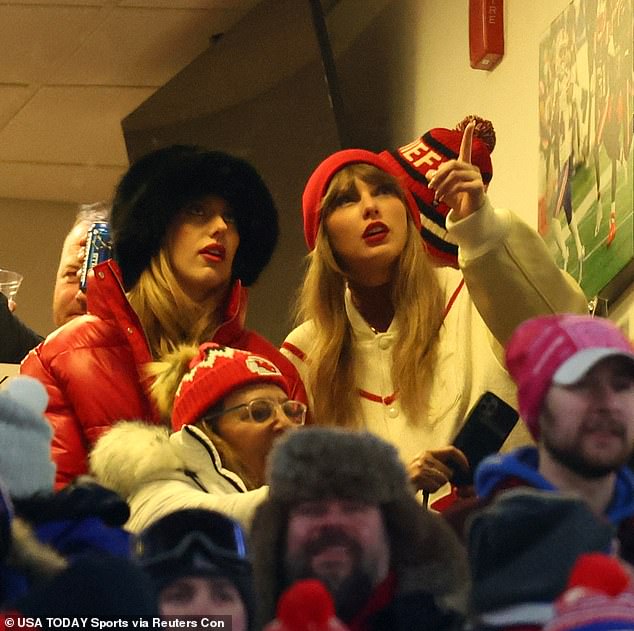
pixel 9 282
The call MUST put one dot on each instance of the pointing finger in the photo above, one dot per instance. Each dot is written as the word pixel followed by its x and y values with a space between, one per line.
pixel 465 145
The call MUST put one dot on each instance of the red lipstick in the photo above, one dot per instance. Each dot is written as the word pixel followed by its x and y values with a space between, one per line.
pixel 375 233
pixel 214 252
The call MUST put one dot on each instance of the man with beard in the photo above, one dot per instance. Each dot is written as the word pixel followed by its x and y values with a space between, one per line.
pixel 575 378
pixel 341 509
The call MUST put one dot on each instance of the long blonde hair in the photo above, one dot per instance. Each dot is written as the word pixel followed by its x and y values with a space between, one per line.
pixel 418 311
pixel 168 315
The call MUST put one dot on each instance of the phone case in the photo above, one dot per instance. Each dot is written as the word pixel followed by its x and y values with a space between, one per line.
pixel 485 429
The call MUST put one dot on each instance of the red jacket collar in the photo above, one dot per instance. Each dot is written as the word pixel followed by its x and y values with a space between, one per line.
pixel 234 316
pixel 381 597
pixel 100 302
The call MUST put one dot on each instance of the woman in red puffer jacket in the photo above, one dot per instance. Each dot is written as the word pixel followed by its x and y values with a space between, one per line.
pixel 191 229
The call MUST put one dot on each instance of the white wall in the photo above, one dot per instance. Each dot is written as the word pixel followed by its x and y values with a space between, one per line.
pixel 31 238
pixel 448 89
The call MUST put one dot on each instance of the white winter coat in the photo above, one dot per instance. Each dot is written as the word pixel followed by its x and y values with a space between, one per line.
pixel 158 473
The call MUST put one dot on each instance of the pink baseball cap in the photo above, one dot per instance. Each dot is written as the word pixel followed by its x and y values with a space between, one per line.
pixel 558 349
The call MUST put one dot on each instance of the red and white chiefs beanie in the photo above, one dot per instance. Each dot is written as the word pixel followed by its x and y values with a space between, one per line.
pixel 428 152
pixel 213 374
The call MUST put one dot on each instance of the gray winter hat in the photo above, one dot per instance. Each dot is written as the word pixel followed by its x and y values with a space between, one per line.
pixel 523 546
pixel 362 467
pixel 315 463
pixel 25 435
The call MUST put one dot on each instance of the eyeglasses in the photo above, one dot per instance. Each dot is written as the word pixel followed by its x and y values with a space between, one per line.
pixel 262 410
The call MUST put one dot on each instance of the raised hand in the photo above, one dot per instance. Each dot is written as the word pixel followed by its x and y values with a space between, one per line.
pixel 458 183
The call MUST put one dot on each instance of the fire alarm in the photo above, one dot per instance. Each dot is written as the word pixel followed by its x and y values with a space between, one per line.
pixel 486 33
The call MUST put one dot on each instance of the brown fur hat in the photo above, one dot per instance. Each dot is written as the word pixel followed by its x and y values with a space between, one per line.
pixel 322 462
pixel 319 462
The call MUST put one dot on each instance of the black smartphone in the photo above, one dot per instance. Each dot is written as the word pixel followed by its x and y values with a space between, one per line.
pixel 484 431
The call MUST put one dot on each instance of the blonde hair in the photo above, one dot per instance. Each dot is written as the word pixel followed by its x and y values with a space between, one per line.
pixel 418 311
pixel 168 316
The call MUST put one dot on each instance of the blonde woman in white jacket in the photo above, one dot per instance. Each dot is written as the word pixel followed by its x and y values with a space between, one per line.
pixel 387 341
pixel 227 407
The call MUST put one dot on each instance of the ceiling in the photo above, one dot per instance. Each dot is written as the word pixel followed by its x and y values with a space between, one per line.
pixel 71 70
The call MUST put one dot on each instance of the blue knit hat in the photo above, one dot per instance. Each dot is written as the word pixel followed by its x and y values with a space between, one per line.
pixel 25 435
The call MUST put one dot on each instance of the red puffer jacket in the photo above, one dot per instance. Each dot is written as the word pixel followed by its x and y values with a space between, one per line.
pixel 92 368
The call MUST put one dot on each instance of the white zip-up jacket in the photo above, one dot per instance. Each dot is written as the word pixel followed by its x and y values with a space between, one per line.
pixel 158 473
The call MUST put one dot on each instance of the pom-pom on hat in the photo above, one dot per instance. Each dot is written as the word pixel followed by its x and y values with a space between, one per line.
pixel 213 374
pixel 160 184
pixel 25 435
pixel 306 604
pixel 409 164
pixel 600 597
pixel 558 349
pixel 427 153
pixel 321 177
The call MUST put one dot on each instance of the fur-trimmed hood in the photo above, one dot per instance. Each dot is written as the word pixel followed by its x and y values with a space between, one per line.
pixel 158 473
pixel 131 453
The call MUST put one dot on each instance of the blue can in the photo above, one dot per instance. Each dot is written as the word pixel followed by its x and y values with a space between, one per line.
pixel 98 249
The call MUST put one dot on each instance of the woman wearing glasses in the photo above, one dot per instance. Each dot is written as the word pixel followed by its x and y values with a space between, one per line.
pixel 227 408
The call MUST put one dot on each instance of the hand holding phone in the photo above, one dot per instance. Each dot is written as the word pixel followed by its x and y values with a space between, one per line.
pixel 485 429
pixel 432 469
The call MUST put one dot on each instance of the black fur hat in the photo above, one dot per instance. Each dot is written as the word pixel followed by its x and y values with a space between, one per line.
pixel 158 185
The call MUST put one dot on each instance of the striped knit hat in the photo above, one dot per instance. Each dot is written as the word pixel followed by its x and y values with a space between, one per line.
pixel 428 152
pixel 600 597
